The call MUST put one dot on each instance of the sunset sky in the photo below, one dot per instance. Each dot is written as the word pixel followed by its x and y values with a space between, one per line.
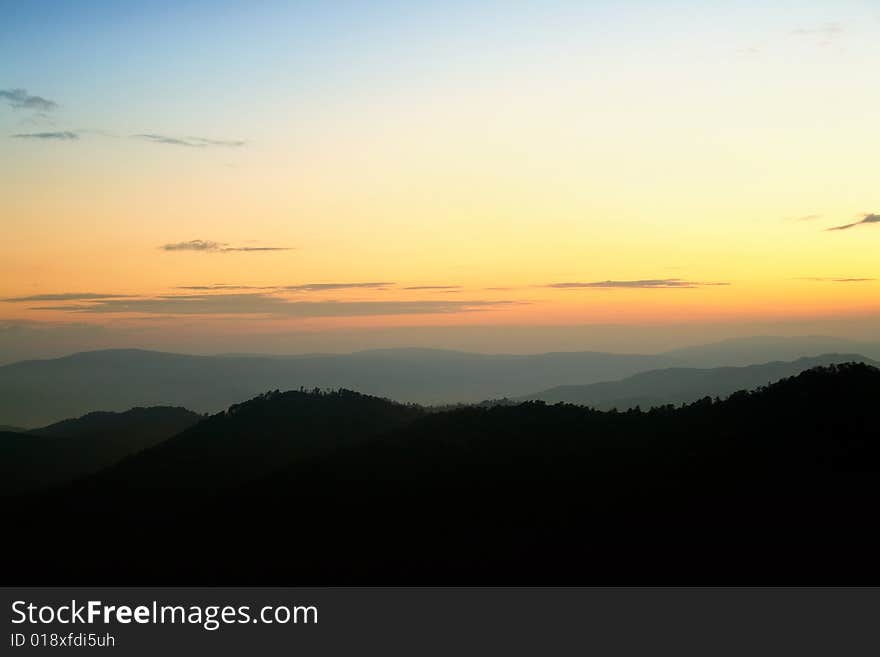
pixel 307 176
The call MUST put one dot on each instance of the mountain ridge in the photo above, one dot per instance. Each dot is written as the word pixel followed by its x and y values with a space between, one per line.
pixel 678 385
pixel 77 447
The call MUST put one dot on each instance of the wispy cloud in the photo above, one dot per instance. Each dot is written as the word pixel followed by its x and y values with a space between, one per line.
pixel 867 219
pixel 823 36
pixel 191 142
pixel 64 135
pixel 193 245
pixel 272 305
pixel 21 99
pixel 68 296
pixel 433 287
pixel 224 286
pixel 822 279
pixel 253 249
pixel 208 246
pixel 649 283
pixel 808 217
pixel 825 32
pixel 322 287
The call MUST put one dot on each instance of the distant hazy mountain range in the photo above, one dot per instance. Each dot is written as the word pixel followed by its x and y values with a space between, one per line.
pixel 738 352
pixel 680 385
pixel 33 393
pixel 37 392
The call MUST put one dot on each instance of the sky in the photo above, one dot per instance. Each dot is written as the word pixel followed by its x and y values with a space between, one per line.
pixel 295 177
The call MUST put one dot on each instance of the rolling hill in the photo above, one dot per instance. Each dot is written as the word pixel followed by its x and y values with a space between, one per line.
pixel 64 451
pixel 257 437
pixel 683 385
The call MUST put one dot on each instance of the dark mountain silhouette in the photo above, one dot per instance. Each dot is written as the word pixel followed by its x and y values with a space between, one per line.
pixel 683 385
pixel 258 437
pixel 138 427
pixel 74 448
pixel 33 393
pixel 772 486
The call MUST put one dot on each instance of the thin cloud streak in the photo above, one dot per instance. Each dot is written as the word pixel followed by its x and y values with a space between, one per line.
pixel 266 304
pixel 189 142
pixel 192 245
pixel 433 287
pixel 321 287
pixel 67 296
pixel 253 249
pixel 208 246
pixel 64 135
pixel 820 279
pixel 867 219
pixel 222 286
pixel 826 31
pixel 649 283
